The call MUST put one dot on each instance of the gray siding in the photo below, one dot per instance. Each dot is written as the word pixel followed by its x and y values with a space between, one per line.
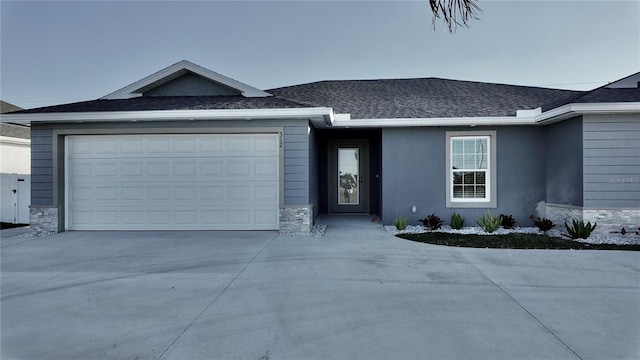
pixel 612 161
pixel 190 85
pixel 414 173
pixel 296 151
pixel 564 162
pixel 296 165
pixel 41 166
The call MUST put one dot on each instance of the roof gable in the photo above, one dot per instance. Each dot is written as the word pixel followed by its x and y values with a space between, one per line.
pixel 190 84
pixel 629 82
pixel 172 81
pixel 6 107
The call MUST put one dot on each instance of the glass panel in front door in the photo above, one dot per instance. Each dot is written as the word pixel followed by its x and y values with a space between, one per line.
pixel 348 176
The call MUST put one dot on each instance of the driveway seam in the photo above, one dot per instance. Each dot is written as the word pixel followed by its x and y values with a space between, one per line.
pixel 216 298
pixel 518 303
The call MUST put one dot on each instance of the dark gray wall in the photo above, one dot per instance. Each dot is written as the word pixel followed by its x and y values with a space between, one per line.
pixel 322 139
pixel 564 162
pixel 413 173
pixel 296 152
pixel 191 85
pixel 296 165
pixel 41 166
pixel 612 161
pixel 314 172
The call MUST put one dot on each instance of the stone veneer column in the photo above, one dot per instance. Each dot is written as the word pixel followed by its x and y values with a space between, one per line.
pixel 296 218
pixel 43 218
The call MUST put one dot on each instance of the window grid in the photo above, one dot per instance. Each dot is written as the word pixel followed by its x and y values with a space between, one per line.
pixel 469 168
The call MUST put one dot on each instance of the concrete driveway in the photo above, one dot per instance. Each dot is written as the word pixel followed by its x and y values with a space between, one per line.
pixel 356 293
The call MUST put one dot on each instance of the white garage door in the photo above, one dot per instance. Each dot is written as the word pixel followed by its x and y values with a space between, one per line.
pixel 172 182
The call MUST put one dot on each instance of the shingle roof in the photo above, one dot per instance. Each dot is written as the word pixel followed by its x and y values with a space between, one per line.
pixel 375 99
pixel 599 95
pixel 6 107
pixel 606 95
pixel 421 98
pixel 171 103
pixel 15 131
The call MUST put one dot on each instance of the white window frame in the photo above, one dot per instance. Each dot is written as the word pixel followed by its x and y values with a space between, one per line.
pixel 490 199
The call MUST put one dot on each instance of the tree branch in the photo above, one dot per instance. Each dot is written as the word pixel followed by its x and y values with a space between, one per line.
pixel 454 13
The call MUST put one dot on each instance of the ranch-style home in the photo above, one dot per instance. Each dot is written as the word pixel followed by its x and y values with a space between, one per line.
pixel 187 148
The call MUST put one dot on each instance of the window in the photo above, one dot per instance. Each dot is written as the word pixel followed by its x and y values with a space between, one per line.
pixel 471 169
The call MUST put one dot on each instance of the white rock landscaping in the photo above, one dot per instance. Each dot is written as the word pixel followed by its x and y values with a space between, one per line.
pixel 629 238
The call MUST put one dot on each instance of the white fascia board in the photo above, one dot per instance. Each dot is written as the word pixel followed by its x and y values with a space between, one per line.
pixel 14 141
pixel 526 117
pixel 571 110
pixel 420 122
pixel 132 90
pixel 319 116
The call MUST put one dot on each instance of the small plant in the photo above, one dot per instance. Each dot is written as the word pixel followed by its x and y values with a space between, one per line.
pixel 580 230
pixel 400 223
pixel 543 224
pixel 457 221
pixel 432 222
pixel 489 223
pixel 508 222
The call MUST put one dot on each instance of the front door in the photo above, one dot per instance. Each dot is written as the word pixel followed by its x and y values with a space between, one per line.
pixel 348 177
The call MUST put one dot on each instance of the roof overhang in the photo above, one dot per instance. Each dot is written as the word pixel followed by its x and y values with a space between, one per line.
pixel 523 117
pixel 319 116
pixel 323 117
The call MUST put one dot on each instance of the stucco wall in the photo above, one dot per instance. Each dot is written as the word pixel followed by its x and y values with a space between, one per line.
pixel 564 162
pixel 413 171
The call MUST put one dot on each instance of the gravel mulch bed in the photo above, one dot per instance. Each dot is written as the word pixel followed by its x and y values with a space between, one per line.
pixel 525 237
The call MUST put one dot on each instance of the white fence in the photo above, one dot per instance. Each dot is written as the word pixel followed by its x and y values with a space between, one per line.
pixel 15 198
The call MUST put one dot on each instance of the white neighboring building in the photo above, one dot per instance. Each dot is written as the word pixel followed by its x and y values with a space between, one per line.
pixel 15 171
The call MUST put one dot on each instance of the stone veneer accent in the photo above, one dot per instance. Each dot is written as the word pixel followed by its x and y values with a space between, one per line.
pixel 43 218
pixel 613 219
pixel 296 218
pixel 608 220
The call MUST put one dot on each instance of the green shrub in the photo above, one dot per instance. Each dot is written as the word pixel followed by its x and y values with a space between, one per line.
pixel 457 221
pixel 489 223
pixel 400 223
pixel 508 222
pixel 580 230
pixel 432 222
pixel 543 224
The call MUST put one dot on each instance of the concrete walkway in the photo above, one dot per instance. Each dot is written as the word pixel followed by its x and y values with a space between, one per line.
pixel 356 293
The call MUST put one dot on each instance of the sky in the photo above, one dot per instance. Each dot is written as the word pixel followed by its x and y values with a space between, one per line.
pixel 55 52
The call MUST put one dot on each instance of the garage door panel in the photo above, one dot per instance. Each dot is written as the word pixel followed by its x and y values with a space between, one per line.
pixel 125 195
pixel 199 182
pixel 120 219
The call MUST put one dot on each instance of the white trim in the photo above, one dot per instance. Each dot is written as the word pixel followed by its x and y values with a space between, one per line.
pixel 14 141
pixel 487 170
pixel 491 173
pixel 570 110
pixel 340 121
pixel 65 205
pixel 176 70
pixel 325 117
pixel 319 116
pixel 524 117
